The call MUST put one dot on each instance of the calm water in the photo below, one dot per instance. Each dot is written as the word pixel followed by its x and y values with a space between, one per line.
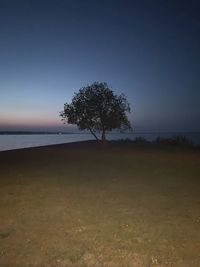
pixel 9 142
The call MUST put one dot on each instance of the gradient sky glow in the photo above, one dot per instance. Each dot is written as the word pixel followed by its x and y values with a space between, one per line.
pixel 148 50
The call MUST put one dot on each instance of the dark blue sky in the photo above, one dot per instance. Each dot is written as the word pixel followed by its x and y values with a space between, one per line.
pixel 148 50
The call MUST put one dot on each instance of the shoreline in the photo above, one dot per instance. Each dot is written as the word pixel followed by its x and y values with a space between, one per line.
pixel 89 144
pixel 10 143
pixel 75 144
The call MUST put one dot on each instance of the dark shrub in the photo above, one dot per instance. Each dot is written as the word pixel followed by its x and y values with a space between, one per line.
pixel 181 141
pixel 140 140
pixel 178 140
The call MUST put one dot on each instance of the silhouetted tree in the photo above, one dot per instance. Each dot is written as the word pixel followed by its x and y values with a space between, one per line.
pixel 97 109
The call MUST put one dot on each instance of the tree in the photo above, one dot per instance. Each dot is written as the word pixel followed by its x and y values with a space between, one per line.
pixel 96 108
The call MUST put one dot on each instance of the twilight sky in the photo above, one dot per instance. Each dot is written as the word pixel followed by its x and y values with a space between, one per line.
pixel 148 50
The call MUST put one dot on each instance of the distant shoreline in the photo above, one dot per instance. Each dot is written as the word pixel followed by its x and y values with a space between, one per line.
pixel 31 132
pixel 61 132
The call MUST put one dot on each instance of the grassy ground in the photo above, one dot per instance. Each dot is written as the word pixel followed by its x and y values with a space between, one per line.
pixel 83 205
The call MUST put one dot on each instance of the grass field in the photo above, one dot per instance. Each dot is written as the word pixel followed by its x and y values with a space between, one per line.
pixel 86 205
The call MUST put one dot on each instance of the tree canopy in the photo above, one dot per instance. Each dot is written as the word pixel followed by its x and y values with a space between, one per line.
pixel 96 108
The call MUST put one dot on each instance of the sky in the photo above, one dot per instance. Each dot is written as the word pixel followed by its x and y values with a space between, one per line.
pixel 148 50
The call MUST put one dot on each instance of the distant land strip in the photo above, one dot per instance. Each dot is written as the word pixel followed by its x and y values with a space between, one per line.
pixel 32 132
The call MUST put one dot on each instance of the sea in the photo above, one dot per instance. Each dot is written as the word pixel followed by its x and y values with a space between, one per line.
pixel 18 141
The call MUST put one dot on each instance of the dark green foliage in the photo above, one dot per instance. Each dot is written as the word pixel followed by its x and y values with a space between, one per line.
pixel 140 140
pixel 178 140
pixel 96 108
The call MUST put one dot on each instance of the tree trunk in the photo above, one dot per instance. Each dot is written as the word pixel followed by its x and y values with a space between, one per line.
pixel 94 134
pixel 103 137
